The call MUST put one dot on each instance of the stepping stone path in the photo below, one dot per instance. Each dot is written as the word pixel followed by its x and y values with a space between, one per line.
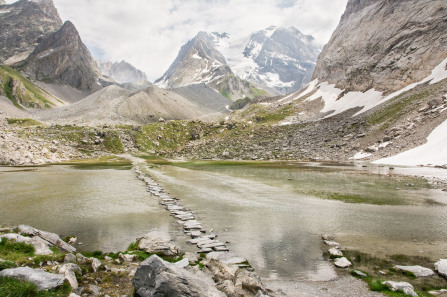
pixel 206 243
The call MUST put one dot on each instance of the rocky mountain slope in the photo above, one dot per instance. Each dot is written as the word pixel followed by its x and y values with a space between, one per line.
pixel 385 45
pixel 279 59
pixel 200 62
pixel 63 58
pixel 125 74
pixel 23 24
pixel 116 106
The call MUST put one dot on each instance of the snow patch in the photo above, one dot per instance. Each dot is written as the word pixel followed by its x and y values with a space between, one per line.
pixel 434 152
pixel 360 155
pixel 196 56
pixel 272 80
pixel 367 100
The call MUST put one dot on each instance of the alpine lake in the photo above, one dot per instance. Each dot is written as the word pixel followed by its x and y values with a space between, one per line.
pixel 271 213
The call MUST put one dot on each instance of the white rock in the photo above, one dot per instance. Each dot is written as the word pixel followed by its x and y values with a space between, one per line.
pixel 95 264
pixel 335 252
pixel 332 243
pixel 417 270
pixel 342 262
pixel 69 271
pixel 441 267
pixel 402 286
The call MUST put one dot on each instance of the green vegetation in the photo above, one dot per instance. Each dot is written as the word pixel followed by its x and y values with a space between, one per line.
pixel 239 104
pixel 262 115
pixel 106 162
pixel 24 122
pixel 354 198
pixel 11 250
pixel 10 287
pixel 375 266
pixel 255 92
pixel 112 143
pixel 29 95
pixel 399 105
pixel 225 94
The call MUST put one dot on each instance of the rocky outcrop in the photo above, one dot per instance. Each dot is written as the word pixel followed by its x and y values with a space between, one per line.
pixel 385 45
pixel 155 277
pixel 51 238
pixel 23 25
pixel 122 72
pixel 43 280
pixel 63 58
pixel 158 243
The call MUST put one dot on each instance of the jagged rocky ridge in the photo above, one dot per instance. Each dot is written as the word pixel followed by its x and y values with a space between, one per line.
pixel 62 57
pixel 23 24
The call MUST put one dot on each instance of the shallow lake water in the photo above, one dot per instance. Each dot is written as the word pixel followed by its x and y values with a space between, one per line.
pixel 268 213
pixel 272 214
pixel 106 209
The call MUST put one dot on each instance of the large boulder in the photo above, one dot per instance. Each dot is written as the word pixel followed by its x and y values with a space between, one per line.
pixel 155 277
pixel 417 270
pixel 401 286
pixel 41 247
pixel 158 243
pixel 43 280
pixel 441 267
pixel 52 238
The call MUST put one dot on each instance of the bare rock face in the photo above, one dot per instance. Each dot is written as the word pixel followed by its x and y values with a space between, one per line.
pixel 63 58
pixel 23 25
pixel 385 45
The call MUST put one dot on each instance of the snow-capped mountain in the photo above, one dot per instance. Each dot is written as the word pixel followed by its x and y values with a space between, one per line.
pixel 277 60
pixel 200 62
pixel 280 60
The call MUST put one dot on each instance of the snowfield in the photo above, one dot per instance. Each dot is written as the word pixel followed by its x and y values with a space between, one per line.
pixel 434 152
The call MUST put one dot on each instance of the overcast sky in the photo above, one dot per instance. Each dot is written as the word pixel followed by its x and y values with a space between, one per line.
pixel 149 33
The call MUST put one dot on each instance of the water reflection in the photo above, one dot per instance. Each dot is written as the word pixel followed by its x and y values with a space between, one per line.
pixel 263 212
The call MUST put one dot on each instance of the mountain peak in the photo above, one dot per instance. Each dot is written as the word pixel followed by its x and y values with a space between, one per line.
pixel 49 9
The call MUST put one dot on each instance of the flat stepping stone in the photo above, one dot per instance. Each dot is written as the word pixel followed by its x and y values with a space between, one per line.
pixel 175 207
pixel 204 251
pixel 223 249
pixel 417 270
pixel 213 245
pixel 332 243
pixel 195 234
pixel 185 217
pixel 335 252
pixel 235 260
pixel 342 263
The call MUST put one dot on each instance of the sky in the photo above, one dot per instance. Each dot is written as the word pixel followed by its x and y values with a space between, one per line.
pixel 149 33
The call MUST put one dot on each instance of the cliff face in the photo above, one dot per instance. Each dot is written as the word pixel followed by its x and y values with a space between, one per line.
pixel 23 25
pixel 63 58
pixel 384 44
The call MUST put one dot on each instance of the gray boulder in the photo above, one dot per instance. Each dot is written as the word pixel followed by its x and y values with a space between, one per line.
pixel 401 286
pixel 155 277
pixel 41 246
pixel 417 270
pixel 69 271
pixel 441 267
pixel 158 243
pixel 43 280
pixel 52 238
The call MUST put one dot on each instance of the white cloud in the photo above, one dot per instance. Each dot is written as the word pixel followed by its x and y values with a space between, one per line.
pixel 149 33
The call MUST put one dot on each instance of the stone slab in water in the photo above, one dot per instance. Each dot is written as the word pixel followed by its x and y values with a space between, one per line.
pixel 342 262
